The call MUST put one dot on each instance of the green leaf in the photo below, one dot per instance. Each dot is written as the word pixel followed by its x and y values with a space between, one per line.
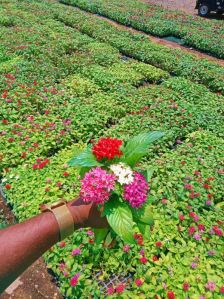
pixel 144 214
pixel 83 171
pixel 150 172
pixel 138 146
pixel 220 205
pixel 100 234
pixel 147 173
pixel 85 159
pixel 108 239
pixel 144 229
pixel 119 217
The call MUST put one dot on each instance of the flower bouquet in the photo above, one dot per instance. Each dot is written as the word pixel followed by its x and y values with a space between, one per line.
pixel 112 180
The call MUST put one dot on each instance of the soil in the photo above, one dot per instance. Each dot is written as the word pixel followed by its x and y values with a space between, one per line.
pixel 184 5
pixel 35 282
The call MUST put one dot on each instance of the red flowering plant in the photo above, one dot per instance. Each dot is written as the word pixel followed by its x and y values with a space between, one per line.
pixel 112 181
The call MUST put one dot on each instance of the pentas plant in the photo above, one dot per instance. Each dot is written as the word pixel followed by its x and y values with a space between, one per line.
pixel 111 180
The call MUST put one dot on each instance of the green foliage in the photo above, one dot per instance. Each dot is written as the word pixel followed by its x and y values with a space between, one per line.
pixel 100 234
pixel 62 86
pixel 3 222
pixel 179 249
pixel 85 159
pixel 138 146
pixel 119 216
pixel 144 215
pixel 193 31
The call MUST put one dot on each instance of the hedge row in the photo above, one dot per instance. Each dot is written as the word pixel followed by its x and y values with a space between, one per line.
pixel 140 47
pixel 203 34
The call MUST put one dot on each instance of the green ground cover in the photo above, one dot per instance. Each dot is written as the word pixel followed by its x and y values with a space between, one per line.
pixel 67 78
pixel 203 34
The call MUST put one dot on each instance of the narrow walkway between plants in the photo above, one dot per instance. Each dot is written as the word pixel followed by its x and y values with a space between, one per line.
pixel 158 40
pixel 35 282
pixel 184 5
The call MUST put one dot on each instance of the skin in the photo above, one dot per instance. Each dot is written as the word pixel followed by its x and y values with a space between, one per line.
pixel 23 243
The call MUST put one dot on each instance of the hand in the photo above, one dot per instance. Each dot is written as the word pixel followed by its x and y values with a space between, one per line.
pixel 86 214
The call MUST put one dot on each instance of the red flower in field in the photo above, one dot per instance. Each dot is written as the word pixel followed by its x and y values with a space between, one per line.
pixel 210 179
pixel 138 282
pixel 164 201
pixel 155 258
pixel 137 236
pixel 7 186
pixel 197 172
pixel 62 244
pixel 181 217
pixel 201 227
pixel 191 230
pixel 206 186
pixel 107 148
pixel 143 260
pixel 4 121
pixel 192 214
pixel 23 155
pixel 11 139
pixel 120 288
pixel 192 195
pixel 158 244
pixel 140 241
pixel 188 186
pixel 91 241
pixel 186 286
pixel 171 295
pixel 219 232
pixel 110 291
pixel 222 289
pixel 66 173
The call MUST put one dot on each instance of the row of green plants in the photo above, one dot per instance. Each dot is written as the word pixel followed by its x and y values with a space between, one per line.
pixel 140 47
pixel 183 256
pixel 43 130
pixel 177 106
pixel 130 44
pixel 199 33
pixel 30 122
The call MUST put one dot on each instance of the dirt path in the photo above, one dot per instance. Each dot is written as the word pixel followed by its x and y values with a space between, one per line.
pixel 163 42
pixel 35 282
pixel 184 5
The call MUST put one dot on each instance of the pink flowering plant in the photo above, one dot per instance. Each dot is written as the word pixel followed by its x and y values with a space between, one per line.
pixel 112 180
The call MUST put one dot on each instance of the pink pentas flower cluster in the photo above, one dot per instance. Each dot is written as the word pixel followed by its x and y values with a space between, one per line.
pixel 96 186
pixel 136 192
pixel 74 280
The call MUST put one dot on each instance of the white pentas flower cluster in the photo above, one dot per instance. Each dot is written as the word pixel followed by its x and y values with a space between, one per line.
pixel 123 173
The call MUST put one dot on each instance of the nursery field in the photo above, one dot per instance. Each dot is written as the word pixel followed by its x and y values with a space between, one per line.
pixel 203 34
pixel 67 78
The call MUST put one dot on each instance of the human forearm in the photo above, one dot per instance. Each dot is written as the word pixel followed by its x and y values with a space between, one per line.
pixel 22 244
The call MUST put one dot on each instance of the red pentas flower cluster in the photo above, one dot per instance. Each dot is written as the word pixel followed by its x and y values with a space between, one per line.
pixel 40 163
pixel 108 148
